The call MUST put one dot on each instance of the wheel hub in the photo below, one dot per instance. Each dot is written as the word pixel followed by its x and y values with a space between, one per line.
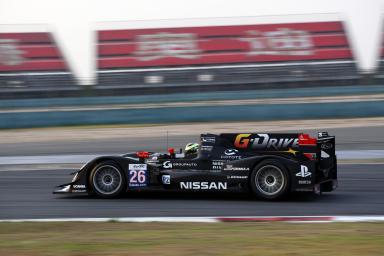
pixel 107 179
pixel 270 180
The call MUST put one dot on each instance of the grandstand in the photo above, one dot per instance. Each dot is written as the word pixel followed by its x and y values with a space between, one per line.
pixel 32 63
pixel 225 55
pixel 156 60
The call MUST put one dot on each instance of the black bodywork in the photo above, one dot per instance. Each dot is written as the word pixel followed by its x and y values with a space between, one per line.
pixel 225 162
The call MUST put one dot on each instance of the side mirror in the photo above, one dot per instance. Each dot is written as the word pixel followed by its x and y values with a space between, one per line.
pixel 142 155
pixel 171 151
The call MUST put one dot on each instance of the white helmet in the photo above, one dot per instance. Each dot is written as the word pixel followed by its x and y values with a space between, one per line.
pixel 191 148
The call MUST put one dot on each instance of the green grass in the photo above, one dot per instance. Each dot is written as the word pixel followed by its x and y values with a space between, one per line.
pixel 264 239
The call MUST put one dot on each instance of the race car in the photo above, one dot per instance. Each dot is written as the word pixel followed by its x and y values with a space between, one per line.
pixel 269 165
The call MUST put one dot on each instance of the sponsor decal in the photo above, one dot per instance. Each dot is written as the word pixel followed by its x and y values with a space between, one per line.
pixel 230 167
pixel 208 139
pixel 263 141
pixel 230 157
pixel 290 151
pixel 323 134
pixel 326 146
pixel 324 154
pixel 203 185
pixel 78 186
pixel 206 148
pixel 303 172
pixel 217 165
pixel 166 179
pixel 305 182
pixel 304 189
pixel 79 191
pixel 237 177
pixel 230 152
pixel 242 140
pixel 169 164
pixel 137 175
pixel 184 164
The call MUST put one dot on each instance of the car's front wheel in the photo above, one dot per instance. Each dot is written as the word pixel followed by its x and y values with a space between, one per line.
pixel 270 180
pixel 107 180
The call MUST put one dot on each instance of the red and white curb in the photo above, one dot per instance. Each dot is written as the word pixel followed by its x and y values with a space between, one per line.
pixel 292 219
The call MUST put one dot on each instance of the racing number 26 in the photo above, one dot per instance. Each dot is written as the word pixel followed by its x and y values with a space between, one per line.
pixel 137 176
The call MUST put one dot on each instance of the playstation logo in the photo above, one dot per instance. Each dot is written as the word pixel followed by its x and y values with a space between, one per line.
pixel 303 172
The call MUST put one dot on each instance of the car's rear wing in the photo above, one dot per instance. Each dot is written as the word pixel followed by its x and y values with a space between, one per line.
pixel 326 152
pixel 321 152
pixel 320 148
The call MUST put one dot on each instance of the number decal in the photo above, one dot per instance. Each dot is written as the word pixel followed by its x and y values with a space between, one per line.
pixel 133 175
pixel 141 177
pixel 137 175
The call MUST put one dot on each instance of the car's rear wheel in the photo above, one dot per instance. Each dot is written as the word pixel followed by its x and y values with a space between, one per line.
pixel 270 180
pixel 107 180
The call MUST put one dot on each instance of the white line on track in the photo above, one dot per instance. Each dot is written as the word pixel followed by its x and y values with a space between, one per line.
pixel 83 158
pixel 293 219
pixel 128 219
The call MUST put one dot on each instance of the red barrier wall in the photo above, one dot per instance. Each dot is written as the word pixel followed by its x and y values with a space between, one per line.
pixel 222 45
pixel 29 52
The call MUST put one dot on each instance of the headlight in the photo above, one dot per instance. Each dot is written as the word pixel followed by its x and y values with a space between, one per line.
pixel 75 177
pixel 64 189
pixel 81 168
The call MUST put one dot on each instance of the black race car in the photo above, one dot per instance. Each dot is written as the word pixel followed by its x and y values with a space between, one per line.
pixel 268 165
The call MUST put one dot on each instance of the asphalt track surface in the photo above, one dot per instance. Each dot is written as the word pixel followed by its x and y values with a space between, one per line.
pixel 356 138
pixel 27 194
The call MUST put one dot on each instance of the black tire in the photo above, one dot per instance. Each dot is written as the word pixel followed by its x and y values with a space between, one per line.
pixel 107 180
pixel 270 180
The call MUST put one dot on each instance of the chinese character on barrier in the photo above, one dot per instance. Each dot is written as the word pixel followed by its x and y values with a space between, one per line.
pixel 279 42
pixel 161 45
pixel 10 55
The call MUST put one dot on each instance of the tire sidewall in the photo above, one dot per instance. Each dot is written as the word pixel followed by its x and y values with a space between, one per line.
pixel 282 193
pixel 122 185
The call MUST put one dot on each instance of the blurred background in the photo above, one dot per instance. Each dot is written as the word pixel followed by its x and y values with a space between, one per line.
pixel 157 62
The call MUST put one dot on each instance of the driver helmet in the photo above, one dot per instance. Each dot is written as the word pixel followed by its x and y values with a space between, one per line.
pixel 191 148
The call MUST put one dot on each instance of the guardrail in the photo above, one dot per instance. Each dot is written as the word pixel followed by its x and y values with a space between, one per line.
pixel 295 103
pixel 26 118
